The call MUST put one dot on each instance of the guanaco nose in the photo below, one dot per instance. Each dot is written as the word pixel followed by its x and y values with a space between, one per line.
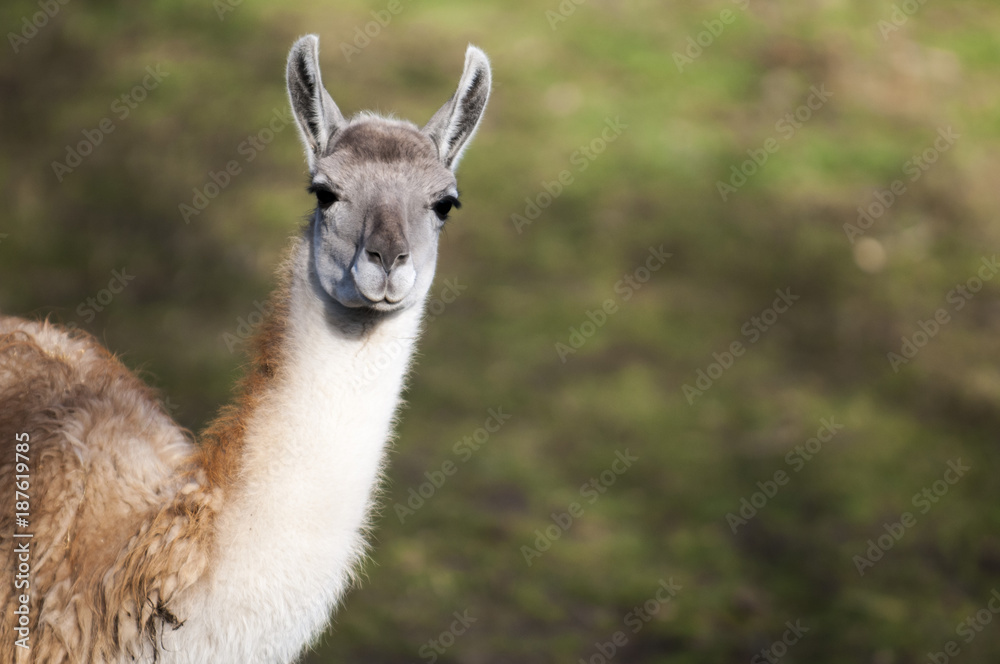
pixel 387 245
pixel 387 257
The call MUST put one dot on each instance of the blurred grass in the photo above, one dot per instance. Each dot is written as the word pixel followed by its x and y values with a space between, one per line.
pixel 494 346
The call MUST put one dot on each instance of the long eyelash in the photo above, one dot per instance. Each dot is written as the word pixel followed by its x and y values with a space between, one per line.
pixel 448 202
pixel 314 187
pixel 325 196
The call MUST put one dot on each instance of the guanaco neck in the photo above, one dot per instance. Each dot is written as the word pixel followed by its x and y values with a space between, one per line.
pixel 299 454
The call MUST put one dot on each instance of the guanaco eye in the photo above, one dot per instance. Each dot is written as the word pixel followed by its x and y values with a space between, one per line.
pixel 325 197
pixel 443 207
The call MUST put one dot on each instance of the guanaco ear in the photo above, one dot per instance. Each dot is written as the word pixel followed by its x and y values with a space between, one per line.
pixel 318 118
pixel 453 125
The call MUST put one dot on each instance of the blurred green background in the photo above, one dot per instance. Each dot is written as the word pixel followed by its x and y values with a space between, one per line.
pixel 885 81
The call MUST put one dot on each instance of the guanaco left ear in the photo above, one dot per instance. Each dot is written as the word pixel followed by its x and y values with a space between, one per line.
pixel 453 125
pixel 318 118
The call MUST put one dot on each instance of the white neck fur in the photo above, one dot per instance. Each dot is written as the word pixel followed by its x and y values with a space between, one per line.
pixel 291 531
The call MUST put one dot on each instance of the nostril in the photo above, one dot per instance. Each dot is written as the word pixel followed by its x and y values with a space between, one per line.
pixel 379 258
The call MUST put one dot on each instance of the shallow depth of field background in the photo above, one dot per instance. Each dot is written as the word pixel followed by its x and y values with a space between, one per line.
pixel 521 291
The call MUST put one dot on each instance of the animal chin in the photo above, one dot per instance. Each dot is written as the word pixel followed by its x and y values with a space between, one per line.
pixel 384 305
pixel 365 298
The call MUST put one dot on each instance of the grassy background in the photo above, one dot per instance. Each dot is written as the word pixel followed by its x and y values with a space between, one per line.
pixel 494 346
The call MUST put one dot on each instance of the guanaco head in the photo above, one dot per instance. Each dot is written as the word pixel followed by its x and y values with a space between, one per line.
pixel 383 187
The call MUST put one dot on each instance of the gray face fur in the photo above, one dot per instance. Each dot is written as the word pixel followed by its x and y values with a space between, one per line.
pixel 382 186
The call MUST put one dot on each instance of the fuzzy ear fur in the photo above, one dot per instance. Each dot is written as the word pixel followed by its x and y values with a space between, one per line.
pixel 453 125
pixel 318 118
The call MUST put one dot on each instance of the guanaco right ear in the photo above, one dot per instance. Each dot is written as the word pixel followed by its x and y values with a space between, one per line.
pixel 317 117
pixel 453 125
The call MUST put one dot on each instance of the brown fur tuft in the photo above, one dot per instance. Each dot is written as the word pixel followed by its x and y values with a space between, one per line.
pixel 118 532
pixel 222 440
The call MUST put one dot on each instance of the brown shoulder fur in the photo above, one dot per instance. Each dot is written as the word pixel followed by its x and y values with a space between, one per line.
pixel 119 520
pixel 122 502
